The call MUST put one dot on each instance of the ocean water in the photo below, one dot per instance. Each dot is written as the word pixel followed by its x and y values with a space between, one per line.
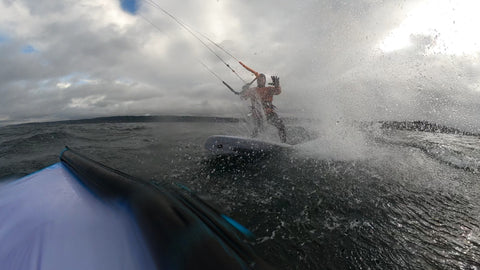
pixel 370 196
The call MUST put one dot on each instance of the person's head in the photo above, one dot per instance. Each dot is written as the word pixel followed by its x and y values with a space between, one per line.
pixel 261 80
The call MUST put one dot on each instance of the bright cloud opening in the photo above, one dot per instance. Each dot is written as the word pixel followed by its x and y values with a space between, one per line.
pixel 452 26
pixel 86 102
pixel 63 85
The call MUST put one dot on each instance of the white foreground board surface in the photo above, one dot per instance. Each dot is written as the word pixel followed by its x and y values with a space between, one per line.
pixel 49 220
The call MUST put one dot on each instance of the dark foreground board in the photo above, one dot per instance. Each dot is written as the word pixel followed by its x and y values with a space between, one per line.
pixel 80 214
pixel 232 145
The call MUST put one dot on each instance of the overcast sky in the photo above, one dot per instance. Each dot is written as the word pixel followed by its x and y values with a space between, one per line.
pixel 337 60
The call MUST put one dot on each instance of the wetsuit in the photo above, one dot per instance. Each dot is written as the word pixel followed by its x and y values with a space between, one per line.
pixel 263 96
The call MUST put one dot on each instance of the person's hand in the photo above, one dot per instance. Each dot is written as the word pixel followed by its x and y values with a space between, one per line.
pixel 244 93
pixel 276 81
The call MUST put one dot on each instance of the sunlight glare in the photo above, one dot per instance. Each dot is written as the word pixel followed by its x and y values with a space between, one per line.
pixel 450 25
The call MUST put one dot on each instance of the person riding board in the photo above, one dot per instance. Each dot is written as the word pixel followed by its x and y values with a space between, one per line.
pixel 261 97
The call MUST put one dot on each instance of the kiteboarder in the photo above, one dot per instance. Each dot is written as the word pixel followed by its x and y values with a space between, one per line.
pixel 261 97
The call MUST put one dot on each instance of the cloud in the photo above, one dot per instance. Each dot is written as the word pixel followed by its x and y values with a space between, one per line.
pixel 71 59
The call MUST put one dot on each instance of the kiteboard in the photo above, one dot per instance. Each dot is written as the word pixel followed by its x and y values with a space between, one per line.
pixel 235 145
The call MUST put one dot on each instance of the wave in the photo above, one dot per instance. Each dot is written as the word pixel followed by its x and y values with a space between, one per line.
pixel 455 148
pixel 25 143
pixel 424 126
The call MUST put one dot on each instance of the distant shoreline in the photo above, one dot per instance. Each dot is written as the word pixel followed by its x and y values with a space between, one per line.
pixel 139 119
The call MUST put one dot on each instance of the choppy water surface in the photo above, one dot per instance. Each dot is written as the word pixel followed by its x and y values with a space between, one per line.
pixel 398 200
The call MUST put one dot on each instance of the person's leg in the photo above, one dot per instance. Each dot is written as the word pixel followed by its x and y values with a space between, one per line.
pixel 258 122
pixel 278 123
